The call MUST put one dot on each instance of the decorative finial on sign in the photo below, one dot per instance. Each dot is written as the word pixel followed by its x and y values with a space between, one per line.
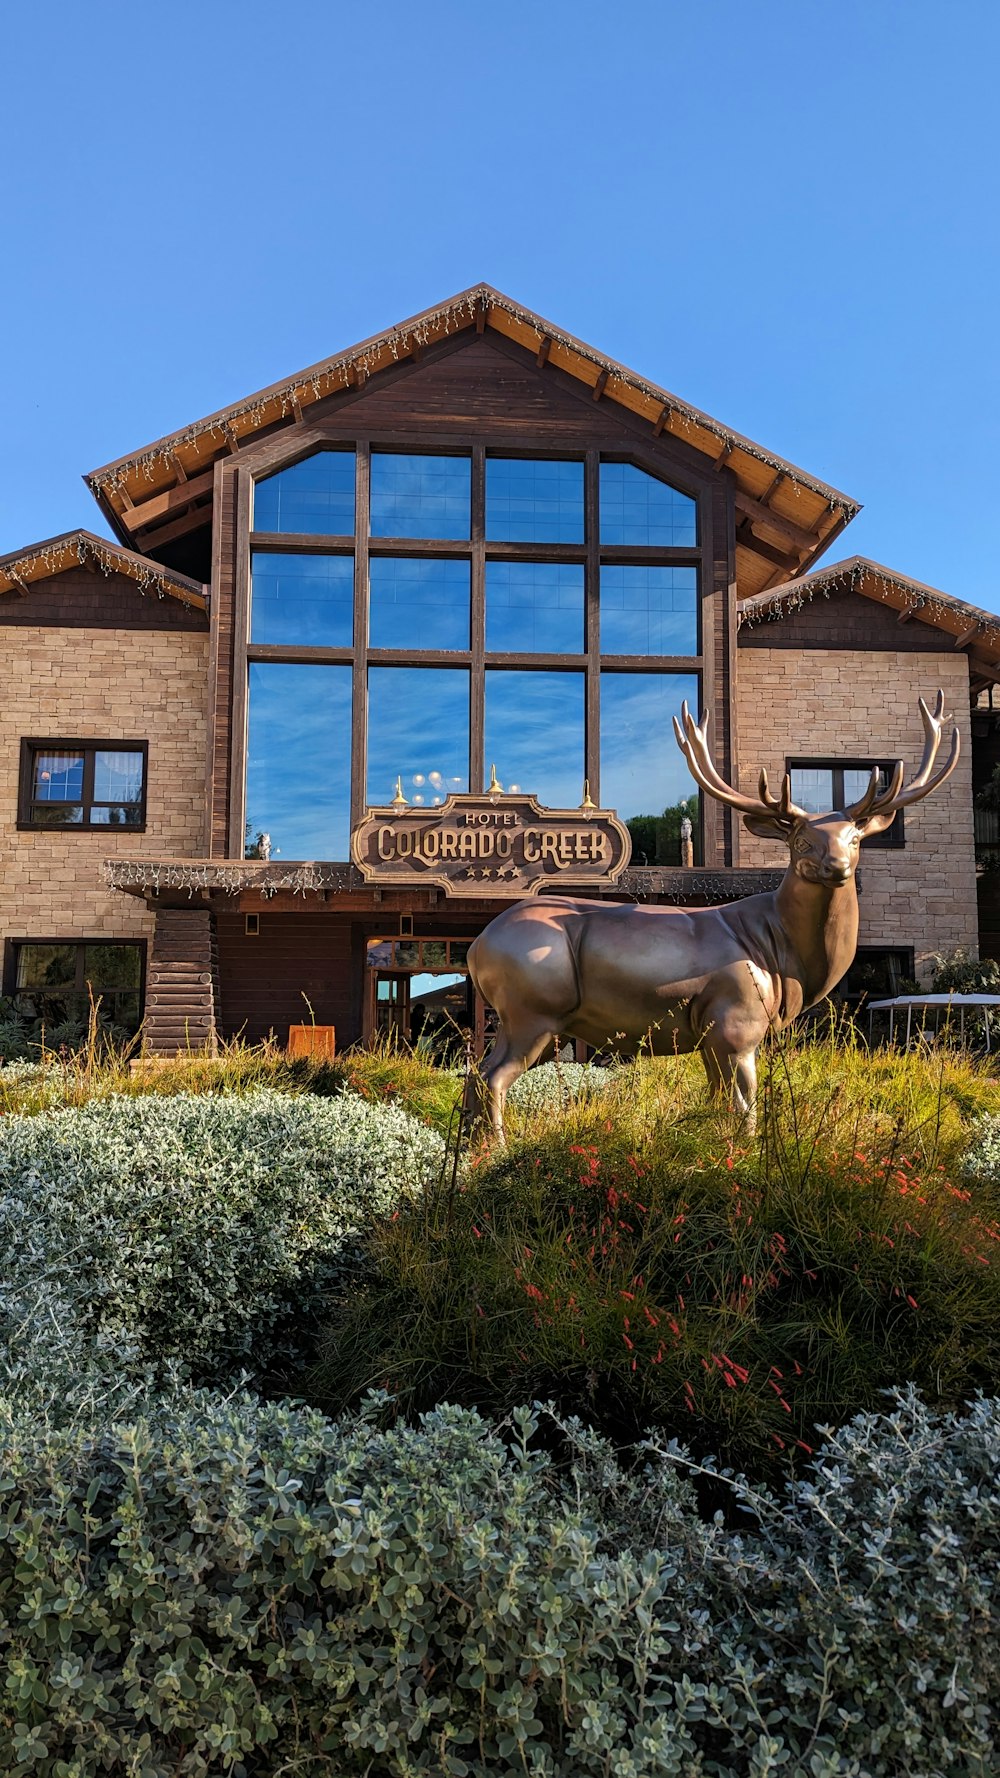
pixel 399 801
pixel 496 788
pixel 588 801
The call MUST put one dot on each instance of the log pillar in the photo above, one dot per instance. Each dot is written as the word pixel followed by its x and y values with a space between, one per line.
pixel 182 984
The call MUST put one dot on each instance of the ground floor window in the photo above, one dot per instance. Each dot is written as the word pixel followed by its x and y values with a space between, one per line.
pixel 52 981
pixel 878 974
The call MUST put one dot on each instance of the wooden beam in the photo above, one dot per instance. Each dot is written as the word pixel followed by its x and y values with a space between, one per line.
pixel 416 350
pixel 296 407
pixel 966 635
pixel 601 384
pixel 482 311
pixel 543 351
pixel 754 511
pixel 747 540
pixel 661 420
pixel 138 517
pixel 904 616
pixel 182 473
pixel 179 527
pixel 125 497
pixel 772 488
pixel 724 455
pixel 231 439
pixel 988 670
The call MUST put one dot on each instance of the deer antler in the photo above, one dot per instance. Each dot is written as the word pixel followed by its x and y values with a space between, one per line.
pixel 692 739
pixel 894 796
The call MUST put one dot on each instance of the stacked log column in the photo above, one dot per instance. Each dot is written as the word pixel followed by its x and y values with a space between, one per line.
pixel 182 986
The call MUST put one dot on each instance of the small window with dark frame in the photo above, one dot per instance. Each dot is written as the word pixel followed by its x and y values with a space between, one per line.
pixel 822 785
pixel 55 980
pixel 83 784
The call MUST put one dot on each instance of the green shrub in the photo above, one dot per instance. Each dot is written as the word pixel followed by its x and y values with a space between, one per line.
pixel 187 1231
pixel 231 1587
pixel 645 1271
pixel 958 972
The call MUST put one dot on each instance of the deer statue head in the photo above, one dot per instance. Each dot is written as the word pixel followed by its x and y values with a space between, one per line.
pixel 824 848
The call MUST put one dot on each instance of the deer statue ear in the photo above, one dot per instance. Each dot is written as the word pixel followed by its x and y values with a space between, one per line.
pixel 767 827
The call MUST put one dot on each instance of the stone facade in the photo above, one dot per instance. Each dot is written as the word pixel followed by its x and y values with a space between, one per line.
pixel 99 684
pixel 823 703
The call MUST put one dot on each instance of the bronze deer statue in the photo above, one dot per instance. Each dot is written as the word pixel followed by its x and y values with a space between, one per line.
pixel 671 980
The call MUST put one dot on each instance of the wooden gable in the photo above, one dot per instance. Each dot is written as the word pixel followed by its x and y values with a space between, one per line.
pixel 844 619
pixel 78 599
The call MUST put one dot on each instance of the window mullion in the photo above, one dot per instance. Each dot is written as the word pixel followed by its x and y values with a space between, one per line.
pixel 592 622
pixel 477 678
pixel 89 764
pixel 359 702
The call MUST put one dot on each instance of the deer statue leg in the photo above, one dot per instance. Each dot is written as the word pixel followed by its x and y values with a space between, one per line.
pixel 733 1073
pixel 511 1055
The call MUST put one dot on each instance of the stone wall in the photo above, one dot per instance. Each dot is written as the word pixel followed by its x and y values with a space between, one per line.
pixel 809 703
pixel 99 684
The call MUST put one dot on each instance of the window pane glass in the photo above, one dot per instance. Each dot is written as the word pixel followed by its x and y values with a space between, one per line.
pixel 533 501
pixel 857 779
pixel 315 496
pixel 299 759
pixel 118 777
pixel 306 599
pixel 114 815
pixel 46 966
pixel 812 788
pixel 111 966
pixel 420 496
pixel 534 734
pixel 58 777
pixel 637 508
pixel 57 814
pixel 418 730
pixel 534 607
pixel 419 604
pixel 642 775
pixel 649 610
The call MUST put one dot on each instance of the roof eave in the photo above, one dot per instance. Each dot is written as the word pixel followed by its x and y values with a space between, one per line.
pixel 469 306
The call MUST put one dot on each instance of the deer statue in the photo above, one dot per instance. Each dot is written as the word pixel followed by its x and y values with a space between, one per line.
pixel 671 980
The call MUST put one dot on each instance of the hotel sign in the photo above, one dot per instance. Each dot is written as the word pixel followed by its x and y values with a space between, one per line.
pixel 490 846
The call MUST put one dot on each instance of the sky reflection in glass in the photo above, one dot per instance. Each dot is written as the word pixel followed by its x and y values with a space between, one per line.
pixel 636 508
pixel 305 599
pixel 299 759
pixel 420 496
pixel 642 770
pixel 315 496
pixel 417 603
pixel 533 501
pixel 418 729
pixel 534 734
pixel 534 607
pixel 649 610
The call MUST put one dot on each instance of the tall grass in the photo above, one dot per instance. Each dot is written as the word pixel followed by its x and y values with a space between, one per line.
pixel 637 1257
pixel 100 1069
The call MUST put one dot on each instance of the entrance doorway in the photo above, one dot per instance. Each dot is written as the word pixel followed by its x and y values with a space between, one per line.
pixel 418 991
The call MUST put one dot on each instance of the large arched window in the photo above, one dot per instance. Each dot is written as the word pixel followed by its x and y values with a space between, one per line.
pixel 423 617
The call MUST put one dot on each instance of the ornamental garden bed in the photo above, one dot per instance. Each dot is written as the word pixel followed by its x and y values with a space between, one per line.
pixel 274 1497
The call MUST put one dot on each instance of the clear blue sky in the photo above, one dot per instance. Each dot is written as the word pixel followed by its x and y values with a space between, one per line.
pixel 785 211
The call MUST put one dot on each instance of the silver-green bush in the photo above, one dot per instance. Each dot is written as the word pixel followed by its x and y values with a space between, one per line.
pixel 184 1231
pixel 982 1160
pixel 554 1085
pixel 232 1587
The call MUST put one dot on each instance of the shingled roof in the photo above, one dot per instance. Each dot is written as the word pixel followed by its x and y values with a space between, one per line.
pixel 788 517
